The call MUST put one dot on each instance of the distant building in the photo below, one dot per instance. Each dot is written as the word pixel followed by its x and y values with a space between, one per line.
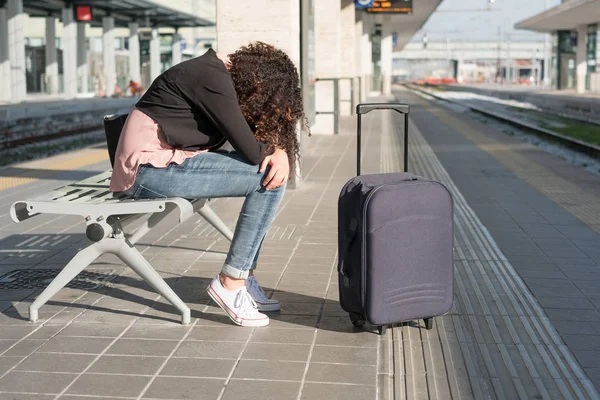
pixel 481 61
pixel 193 41
pixel 576 43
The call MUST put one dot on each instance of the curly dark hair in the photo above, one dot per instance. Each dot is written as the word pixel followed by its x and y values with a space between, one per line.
pixel 269 93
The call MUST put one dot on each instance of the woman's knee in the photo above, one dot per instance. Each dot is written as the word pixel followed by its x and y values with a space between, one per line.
pixel 277 191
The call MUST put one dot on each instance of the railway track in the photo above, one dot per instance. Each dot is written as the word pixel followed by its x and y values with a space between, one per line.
pixel 543 133
pixel 34 136
pixel 34 144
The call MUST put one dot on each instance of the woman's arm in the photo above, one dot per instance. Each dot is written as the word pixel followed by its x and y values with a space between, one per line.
pixel 215 96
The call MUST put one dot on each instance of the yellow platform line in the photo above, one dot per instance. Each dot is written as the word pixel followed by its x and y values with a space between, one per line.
pixel 44 169
pixel 581 204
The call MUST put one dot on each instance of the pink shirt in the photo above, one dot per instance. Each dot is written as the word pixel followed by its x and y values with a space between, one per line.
pixel 142 142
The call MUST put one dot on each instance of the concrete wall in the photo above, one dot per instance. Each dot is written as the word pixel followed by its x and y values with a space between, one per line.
pixel 348 42
pixel 239 23
pixel 336 44
pixel 327 54
pixel 366 62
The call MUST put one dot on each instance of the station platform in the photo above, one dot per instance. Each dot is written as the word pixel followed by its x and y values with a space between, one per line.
pixel 525 322
pixel 530 89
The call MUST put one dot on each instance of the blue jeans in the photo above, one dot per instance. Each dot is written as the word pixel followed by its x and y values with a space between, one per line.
pixel 213 175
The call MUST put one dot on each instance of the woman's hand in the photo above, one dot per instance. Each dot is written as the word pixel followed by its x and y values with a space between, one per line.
pixel 280 169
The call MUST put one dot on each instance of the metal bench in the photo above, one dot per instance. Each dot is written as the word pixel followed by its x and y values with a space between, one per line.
pixel 108 217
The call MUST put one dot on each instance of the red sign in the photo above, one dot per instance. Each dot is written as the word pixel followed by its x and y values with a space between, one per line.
pixel 83 13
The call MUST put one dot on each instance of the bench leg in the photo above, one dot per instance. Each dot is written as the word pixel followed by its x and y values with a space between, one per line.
pixel 204 210
pixel 208 214
pixel 77 264
pixel 132 257
pixel 150 221
pixel 142 230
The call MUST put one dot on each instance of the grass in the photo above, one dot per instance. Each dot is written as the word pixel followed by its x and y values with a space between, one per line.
pixel 588 133
pixel 580 130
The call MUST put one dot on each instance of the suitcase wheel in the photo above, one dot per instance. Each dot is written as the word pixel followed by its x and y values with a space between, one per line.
pixel 357 319
pixel 428 323
pixel 382 329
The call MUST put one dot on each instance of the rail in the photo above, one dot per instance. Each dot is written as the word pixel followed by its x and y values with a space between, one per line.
pixel 574 144
pixel 337 100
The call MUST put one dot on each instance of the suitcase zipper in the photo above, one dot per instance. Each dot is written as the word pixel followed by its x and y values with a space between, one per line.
pixel 363 261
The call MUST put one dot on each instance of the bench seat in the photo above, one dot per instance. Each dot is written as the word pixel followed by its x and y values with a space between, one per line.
pixel 108 219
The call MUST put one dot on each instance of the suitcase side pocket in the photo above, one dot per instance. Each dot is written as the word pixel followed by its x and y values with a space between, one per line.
pixel 349 269
pixel 347 242
pixel 349 239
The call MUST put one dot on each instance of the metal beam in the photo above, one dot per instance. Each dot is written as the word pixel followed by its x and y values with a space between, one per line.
pixel 109 12
pixel 57 3
pixel 124 11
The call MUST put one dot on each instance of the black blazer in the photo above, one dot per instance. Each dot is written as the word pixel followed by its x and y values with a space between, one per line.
pixel 196 106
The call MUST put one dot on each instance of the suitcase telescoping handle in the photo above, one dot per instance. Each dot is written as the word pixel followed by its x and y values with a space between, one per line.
pixel 366 108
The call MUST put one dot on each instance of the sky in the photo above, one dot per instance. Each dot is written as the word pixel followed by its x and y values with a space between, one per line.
pixel 468 24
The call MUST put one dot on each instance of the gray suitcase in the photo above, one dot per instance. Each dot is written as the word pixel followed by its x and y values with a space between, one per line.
pixel 395 243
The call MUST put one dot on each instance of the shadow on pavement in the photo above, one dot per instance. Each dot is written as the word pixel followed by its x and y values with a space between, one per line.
pixel 297 309
pixel 29 262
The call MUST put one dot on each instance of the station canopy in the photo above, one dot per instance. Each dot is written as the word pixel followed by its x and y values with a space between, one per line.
pixel 405 26
pixel 566 16
pixel 146 13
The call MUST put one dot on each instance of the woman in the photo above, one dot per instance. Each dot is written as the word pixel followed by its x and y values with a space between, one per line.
pixel 168 148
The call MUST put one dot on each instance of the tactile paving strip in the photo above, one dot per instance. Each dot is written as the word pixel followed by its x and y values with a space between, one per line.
pixel 497 342
pixel 49 165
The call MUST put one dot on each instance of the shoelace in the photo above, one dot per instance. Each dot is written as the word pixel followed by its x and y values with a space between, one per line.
pixel 254 285
pixel 245 303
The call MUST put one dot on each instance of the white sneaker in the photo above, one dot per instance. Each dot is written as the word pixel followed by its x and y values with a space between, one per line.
pixel 257 293
pixel 238 304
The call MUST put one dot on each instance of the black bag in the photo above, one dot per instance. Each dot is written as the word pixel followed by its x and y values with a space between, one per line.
pixel 113 125
pixel 395 243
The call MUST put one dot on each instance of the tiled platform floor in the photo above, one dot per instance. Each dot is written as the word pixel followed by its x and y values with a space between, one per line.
pixel 123 341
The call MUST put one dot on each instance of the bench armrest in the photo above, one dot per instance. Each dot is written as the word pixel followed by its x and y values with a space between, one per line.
pixel 23 210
